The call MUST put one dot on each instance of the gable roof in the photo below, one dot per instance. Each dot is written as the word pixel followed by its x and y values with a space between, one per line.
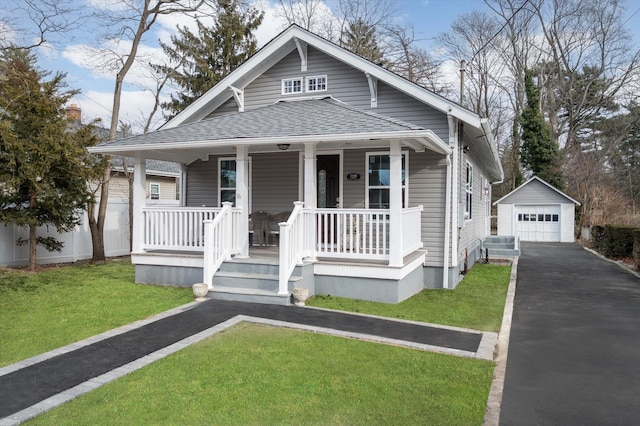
pixel 537 179
pixel 295 121
pixel 285 43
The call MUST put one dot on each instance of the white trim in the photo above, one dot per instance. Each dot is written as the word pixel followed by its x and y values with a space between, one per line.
pixel 219 171
pixel 292 80
pixel 426 137
pixel 151 185
pixel 383 272
pixel 405 155
pixel 373 89
pixel 301 46
pixel 316 77
pixel 284 43
pixel 238 95
pixel 541 181
pixel 468 191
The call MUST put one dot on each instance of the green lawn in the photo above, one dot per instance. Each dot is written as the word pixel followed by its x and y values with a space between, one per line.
pixel 477 302
pixel 49 309
pixel 253 375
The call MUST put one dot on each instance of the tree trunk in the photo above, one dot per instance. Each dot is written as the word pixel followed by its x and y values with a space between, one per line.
pixel 33 241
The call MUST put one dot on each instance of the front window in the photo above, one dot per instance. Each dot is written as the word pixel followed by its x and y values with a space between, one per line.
pixel 378 180
pixel 154 191
pixel 227 180
pixel 468 189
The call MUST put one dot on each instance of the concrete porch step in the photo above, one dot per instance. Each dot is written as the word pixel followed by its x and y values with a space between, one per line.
pixel 503 252
pixel 250 280
pixel 253 295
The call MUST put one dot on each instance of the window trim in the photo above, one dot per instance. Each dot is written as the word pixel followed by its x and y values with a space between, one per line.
pixel 151 193
pixel 316 77
pixel 468 191
pixel 293 79
pixel 220 188
pixel 405 155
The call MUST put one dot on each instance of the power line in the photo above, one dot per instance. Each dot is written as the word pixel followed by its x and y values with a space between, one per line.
pixel 499 31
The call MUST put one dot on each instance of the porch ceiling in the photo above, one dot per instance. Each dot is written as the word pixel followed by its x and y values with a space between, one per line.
pixel 325 121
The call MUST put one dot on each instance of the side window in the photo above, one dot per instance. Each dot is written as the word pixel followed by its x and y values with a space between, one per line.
pixel 154 191
pixel 468 188
pixel 291 85
pixel 317 83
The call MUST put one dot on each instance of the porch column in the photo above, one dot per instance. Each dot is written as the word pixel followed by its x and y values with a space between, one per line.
pixel 139 201
pixel 310 184
pixel 395 204
pixel 242 198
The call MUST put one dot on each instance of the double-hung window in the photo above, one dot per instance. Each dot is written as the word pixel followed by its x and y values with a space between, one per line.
pixel 378 180
pixel 227 180
pixel 154 191
pixel 468 189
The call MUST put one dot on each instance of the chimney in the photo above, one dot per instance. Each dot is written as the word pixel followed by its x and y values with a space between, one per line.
pixel 74 113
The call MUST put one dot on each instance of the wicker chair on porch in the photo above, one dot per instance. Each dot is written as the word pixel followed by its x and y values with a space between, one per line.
pixel 258 224
pixel 274 227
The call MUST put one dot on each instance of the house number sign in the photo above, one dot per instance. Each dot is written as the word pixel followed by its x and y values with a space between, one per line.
pixel 353 176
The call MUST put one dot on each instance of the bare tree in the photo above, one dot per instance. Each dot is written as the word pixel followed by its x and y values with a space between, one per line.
pixel 312 15
pixel 130 21
pixel 26 24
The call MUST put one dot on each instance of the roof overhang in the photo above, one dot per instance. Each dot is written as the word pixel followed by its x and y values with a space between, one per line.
pixel 548 185
pixel 187 152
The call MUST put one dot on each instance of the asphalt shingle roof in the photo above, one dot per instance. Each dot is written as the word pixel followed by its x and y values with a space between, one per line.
pixel 291 118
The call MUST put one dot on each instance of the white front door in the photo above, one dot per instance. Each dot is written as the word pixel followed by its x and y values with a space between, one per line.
pixel 538 223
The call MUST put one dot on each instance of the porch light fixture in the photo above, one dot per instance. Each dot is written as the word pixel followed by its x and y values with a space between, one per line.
pixel 283 146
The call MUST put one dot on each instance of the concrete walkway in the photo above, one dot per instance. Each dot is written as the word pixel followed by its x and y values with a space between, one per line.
pixel 574 350
pixel 33 386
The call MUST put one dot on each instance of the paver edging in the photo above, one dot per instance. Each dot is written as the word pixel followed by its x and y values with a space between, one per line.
pixel 492 413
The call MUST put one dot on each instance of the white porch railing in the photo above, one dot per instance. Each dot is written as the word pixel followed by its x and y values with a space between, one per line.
pixel 352 233
pixel 411 230
pixel 296 243
pixel 218 237
pixel 175 228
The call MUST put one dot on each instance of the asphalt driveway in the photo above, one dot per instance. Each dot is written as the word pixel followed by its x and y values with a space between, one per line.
pixel 574 350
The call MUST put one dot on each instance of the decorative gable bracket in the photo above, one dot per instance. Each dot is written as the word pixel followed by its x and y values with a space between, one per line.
pixel 302 51
pixel 238 95
pixel 373 88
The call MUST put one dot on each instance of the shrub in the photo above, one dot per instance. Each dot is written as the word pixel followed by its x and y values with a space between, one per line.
pixel 618 240
pixel 598 238
pixel 636 247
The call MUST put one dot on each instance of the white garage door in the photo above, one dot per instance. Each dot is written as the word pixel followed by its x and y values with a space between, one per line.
pixel 538 223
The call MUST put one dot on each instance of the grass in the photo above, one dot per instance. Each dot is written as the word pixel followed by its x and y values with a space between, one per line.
pixel 52 308
pixel 477 302
pixel 253 374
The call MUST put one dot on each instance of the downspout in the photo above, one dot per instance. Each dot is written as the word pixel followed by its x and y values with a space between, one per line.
pixel 450 213
pixel 447 225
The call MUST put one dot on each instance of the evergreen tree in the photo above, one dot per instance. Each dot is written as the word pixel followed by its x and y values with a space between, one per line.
pixel 44 165
pixel 360 38
pixel 207 56
pixel 538 151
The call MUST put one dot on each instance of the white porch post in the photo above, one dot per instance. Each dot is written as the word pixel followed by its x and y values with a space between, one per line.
pixel 395 204
pixel 310 188
pixel 139 201
pixel 242 197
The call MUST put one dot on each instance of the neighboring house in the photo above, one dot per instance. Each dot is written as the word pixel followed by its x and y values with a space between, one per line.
pixel 537 211
pixel 162 181
pixel 393 182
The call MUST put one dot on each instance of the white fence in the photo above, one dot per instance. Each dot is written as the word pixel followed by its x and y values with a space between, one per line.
pixel 77 244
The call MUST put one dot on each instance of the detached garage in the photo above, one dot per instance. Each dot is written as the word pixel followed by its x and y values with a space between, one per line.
pixel 536 211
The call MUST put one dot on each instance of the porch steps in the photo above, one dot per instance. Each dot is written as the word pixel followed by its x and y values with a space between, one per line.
pixel 252 280
pixel 501 246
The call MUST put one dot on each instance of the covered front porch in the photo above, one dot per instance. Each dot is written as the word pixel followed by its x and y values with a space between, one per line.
pixel 368 231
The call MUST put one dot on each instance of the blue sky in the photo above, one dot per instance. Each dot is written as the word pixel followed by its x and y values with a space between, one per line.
pixel 75 57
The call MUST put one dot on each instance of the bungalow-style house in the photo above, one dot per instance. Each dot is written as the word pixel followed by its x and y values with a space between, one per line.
pixel 309 166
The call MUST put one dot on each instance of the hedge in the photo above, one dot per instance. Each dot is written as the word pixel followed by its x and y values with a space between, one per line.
pixel 614 240
pixel 636 247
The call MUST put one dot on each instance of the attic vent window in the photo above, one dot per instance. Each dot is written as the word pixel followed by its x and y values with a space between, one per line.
pixel 317 83
pixel 291 85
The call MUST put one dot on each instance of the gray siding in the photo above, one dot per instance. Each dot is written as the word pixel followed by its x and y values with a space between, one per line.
pixel 535 193
pixel 202 183
pixel 275 181
pixel 474 230
pixel 228 107
pixel 346 84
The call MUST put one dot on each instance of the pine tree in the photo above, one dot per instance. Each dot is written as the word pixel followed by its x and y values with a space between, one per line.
pixel 207 56
pixel 360 39
pixel 44 165
pixel 538 151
